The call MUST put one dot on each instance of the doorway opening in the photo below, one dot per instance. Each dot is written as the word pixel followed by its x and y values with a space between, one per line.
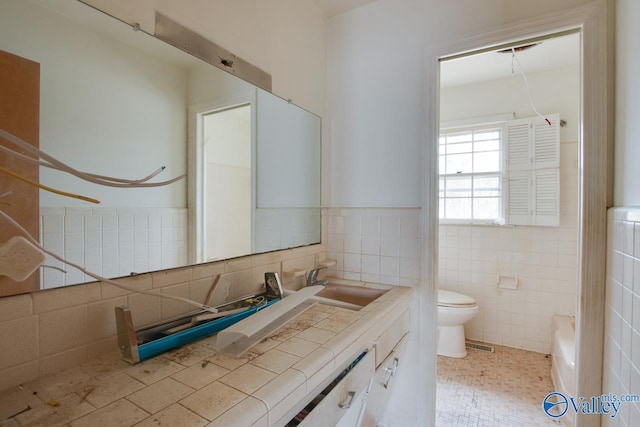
pixel 225 152
pixel 227 184
pixel 509 231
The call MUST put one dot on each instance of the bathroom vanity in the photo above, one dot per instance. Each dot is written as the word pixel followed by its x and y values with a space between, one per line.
pixel 361 389
pixel 313 371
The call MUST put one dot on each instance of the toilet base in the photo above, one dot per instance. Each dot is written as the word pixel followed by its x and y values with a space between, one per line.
pixel 451 341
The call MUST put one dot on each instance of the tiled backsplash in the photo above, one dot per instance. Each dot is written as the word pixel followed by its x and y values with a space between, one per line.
pixel 51 330
pixel 377 245
pixel 382 245
pixel 544 259
pixel 621 364
pixel 112 242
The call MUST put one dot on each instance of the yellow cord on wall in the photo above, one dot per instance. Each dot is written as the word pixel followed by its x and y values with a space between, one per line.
pixel 44 187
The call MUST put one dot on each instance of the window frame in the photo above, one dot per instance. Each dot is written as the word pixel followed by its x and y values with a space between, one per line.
pixel 478 124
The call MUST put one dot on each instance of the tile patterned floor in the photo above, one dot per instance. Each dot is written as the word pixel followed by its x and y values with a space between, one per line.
pixel 505 388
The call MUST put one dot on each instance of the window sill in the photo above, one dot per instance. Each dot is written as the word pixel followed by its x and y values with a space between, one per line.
pixel 476 224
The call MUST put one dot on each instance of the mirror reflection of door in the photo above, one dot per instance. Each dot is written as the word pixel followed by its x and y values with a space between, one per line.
pixel 227 159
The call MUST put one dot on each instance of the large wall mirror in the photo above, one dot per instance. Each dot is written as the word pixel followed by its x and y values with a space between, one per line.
pixel 119 102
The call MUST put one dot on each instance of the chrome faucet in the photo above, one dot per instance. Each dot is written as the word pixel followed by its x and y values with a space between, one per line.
pixel 312 278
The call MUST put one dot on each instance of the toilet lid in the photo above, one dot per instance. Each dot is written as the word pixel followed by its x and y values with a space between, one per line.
pixel 454 299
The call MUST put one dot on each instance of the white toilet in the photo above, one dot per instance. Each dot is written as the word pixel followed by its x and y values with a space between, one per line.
pixel 454 310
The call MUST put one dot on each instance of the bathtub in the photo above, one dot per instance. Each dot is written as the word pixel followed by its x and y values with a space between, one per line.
pixel 563 364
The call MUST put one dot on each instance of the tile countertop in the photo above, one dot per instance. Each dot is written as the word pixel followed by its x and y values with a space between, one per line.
pixel 196 386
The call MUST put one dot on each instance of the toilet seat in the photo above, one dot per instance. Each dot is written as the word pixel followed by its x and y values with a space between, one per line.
pixel 454 299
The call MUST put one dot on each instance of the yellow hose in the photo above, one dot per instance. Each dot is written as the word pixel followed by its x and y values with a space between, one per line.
pixel 44 187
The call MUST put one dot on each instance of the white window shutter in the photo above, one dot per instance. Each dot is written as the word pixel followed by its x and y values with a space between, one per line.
pixel 546 142
pixel 546 189
pixel 519 205
pixel 518 134
pixel 533 171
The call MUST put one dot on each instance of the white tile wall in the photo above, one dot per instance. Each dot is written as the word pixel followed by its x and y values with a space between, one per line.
pixel 112 242
pixel 377 245
pixel 544 259
pixel 621 365
pixel 382 245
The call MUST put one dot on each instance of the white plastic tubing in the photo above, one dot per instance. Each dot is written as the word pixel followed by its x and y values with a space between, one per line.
pixel 526 83
pixel 53 163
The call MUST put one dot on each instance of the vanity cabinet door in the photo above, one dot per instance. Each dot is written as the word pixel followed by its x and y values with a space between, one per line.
pixel 353 414
pixel 389 339
pixel 343 396
pixel 382 384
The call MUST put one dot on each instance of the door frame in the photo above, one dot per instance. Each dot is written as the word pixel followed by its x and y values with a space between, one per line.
pixel 595 181
pixel 196 184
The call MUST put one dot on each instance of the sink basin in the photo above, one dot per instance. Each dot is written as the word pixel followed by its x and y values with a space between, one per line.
pixel 355 295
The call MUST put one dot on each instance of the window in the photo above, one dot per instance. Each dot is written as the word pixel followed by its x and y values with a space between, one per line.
pixel 501 173
pixel 471 174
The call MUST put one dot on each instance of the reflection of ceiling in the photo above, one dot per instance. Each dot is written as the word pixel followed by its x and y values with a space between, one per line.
pixel 556 53
pixel 336 7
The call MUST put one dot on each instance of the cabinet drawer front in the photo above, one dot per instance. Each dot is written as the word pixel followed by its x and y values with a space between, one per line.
pixel 389 338
pixel 382 384
pixel 348 390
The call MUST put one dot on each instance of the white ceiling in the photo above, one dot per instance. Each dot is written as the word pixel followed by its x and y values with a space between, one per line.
pixel 336 7
pixel 555 53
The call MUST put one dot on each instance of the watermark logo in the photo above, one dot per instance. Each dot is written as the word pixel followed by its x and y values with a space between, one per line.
pixel 557 404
